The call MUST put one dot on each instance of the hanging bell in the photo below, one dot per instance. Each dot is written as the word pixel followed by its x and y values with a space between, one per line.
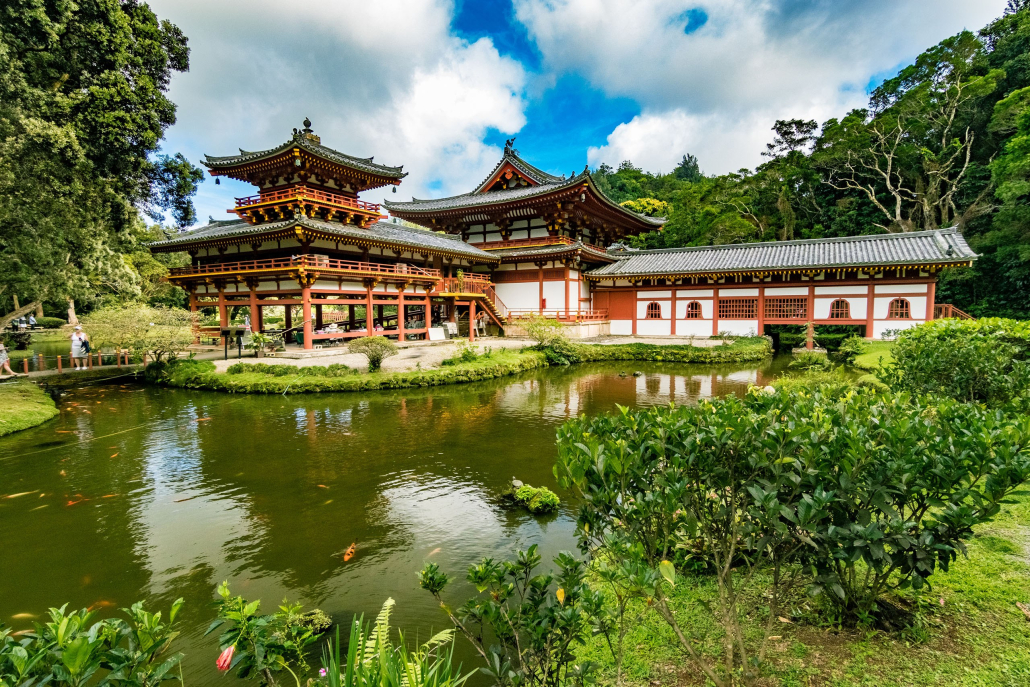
pixel 218 182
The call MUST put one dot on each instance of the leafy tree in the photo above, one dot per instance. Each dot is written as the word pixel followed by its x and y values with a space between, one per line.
pixel 376 349
pixel 142 330
pixel 688 169
pixel 82 113
pixel 647 206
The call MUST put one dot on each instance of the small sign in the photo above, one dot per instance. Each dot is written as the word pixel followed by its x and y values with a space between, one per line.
pixel 437 334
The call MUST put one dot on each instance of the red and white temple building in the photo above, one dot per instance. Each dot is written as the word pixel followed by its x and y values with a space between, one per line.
pixel 524 241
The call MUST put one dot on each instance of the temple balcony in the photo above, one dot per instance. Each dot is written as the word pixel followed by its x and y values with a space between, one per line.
pixel 271 206
pixel 296 265
pixel 537 242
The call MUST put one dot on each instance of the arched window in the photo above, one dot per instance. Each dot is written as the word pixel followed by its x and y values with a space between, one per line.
pixel 693 310
pixel 654 311
pixel 899 310
pixel 840 309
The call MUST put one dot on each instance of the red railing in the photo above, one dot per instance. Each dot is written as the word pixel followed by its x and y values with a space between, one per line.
pixel 529 243
pixel 305 193
pixel 945 310
pixel 559 314
pixel 317 262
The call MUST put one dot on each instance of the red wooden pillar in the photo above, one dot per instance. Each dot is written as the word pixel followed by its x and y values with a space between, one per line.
pixel 193 309
pixel 870 302
pixel 567 292
pixel 673 325
pixel 400 315
pixel 350 317
pixel 254 326
pixel 472 319
pixel 305 300
pixel 59 369
pixel 223 314
pixel 543 302
pixel 260 324
pixel 810 332
pixel 369 325
pixel 761 311
pixel 931 296
pixel 428 315
pixel 715 311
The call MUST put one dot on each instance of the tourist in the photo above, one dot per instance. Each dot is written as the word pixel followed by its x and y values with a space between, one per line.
pixel 5 362
pixel 246 322
pixel 80 348
pixel 32 321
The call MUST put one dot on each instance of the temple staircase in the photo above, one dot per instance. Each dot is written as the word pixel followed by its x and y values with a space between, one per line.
pixel 475 288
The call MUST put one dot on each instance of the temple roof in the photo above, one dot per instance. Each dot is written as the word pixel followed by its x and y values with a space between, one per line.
pixel 511 156
pixel 386 233
pixel 554 250
pixel 924 248
pixel 477 199
pixel 306 141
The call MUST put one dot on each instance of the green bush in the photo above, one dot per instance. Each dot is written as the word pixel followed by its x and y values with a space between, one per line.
pixel 561 351
pixel 334 370
pixel 51 322
pixel 851 348
pixel 376 349
pixel 810 360
pixel 467 353
pixel 537 500
pixel 986 361
pixel 833 383
pixel 872 492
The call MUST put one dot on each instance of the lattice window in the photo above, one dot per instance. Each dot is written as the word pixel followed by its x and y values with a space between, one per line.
pixel 840 309
pixel 738 308
pixel 693 310
pixel 781 308
pixel 654 311
pixel 900 309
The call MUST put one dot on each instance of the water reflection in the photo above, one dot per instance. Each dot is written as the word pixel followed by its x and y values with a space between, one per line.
pixel 153 493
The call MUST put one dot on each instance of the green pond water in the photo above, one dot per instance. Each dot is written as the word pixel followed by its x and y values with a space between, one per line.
pixel 146 493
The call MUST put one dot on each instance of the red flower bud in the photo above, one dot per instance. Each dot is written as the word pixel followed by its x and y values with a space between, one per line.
pixel 225 659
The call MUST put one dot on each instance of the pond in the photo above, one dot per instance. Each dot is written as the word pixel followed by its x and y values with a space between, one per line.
pixel 139 492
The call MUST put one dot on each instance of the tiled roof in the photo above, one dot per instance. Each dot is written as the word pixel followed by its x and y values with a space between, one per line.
pixel 380 232
pixel 301 141
pixel 476 199
pixel 555 249
pixel 945 246
pixel 529 171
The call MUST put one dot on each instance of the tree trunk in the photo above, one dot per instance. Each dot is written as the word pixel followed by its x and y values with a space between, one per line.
pixel 39 309
pixel 72 319
pixel 15 314
pixel 16 304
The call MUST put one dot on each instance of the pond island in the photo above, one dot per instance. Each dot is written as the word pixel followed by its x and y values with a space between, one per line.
pixel 523 242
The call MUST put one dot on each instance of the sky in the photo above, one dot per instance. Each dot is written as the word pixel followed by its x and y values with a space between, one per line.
pixel 438 85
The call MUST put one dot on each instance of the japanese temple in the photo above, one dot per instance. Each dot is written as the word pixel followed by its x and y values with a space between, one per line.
pixel 523 241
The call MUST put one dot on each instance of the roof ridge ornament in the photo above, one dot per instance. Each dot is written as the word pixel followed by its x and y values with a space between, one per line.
pixel 508 149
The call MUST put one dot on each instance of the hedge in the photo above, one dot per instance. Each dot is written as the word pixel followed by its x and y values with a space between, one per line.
pixel 197 374
pixel 50 322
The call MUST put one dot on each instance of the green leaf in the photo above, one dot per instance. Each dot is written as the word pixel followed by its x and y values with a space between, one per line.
pixel 668 571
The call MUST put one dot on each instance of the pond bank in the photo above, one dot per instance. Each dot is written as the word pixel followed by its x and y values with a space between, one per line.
pixel 25 405
pixel 500 363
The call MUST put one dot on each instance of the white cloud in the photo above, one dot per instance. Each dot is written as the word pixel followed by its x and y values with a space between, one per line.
pixel 716 92
pixel 376 78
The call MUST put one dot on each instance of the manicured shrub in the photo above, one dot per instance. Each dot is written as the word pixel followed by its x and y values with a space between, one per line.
pixel 527 626
pixel 850 348
pixel 376 349
pixel 50 322
pixel 561 351
pixel 873 492
pixel 537 500
pixel 334 370
pixel 810 360
pixel 987 360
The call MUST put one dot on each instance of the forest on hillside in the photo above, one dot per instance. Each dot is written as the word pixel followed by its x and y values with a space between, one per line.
pixel 944 143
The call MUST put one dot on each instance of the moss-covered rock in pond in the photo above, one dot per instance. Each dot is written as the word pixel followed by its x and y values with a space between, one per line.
pixel 535 500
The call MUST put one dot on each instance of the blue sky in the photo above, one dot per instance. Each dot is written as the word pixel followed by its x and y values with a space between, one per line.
pixel 438 85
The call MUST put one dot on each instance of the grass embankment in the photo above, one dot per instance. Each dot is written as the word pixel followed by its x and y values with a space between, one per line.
pixel 967 630
pixel 24 405
pixel 193 374
pixel 870 359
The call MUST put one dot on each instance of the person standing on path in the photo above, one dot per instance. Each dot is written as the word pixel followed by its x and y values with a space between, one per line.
pixel 79 348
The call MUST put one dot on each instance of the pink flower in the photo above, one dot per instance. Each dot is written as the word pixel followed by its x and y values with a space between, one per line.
pixel 225 659
pixel 322 672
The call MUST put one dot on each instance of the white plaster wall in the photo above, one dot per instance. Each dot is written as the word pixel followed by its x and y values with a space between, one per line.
pixel 494 236
pixel 857 305
pixel 654 327
pixel 880 326
pixel 739 327
pixel 554 294
pixel 651 295
pixel 584 289
pixel 786 291
pixel 537 232
pixel 519 295
pixel 622 327
pixel 267 286
pixel 881 305
pixel 505 268
pixel 642 309
pixel 707 308
pixel 901 288
pixel 842 290
pixel 694 328
pixel 735 293
pixel 695 293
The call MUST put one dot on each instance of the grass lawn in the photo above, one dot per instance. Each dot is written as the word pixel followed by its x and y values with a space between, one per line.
pixel 875 350
pixel 965 631
pixel 25 405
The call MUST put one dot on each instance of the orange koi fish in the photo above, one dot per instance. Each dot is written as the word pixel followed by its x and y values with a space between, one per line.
pixel 349 553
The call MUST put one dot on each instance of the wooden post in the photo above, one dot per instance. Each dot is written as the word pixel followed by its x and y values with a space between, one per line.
pixel 100 359
pixel 288 321
pixel 931 296
pixel 42 362
pixel 318 315
pixel 369 326
pixel 400 315
pixel 567 291
pixel 472 319
pixel 543 302
pixel 870 302
pixel 350 317
pixel 674 294
pixel 193 309
pixel 118 357
pixel 223 312
pixel 810 336
pixel 761 311
pixel 254 327
pixel 59 369
pixel 89 361
pixel 305 296
pixel 715 311
pixel 25 365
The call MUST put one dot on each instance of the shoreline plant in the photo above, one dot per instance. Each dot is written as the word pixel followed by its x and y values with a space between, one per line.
pixel 376 349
